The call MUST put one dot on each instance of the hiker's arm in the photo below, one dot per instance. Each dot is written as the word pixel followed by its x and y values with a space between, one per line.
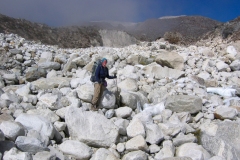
pixel 97 75
pixel 110 77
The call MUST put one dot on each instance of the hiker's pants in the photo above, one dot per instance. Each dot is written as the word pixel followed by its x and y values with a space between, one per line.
pixel 98 91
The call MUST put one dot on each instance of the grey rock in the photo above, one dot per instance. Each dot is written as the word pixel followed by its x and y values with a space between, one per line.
pixel 36 122
pixel 108 100
pixel 44 155
pixel 123 112
pixel 76 149
pixel 154 134
pixel 120 147
pixel 14 153
pixel 221 66
pixel 50 83
pixel 2 138
pixel 135 155
pixel 136 143
pixel 184 103
pixel 49 65
pixel 30 144
pixel 15 51
pixel 60 126
pixel 225 113
pixel 181 139
pixel 221 137
pixel 168 150
pixel 34 73
pixel 171 60
pixel 85 92
pixel 110 113
pixel 155 70
pixel 6 117
pixel 128 85
pixel 103 154
pixel 46 113
pixel 193 151
pixel 6 146
pixel 12 130
pixel 135 128
pixel 235 65
pixel 82 126
pixel 122 125
pixel 154 148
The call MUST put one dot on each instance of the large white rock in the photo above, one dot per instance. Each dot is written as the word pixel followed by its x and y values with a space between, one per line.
pixel 30 144
pixel 24 90
pixel 108 100
pixel 135 155
pixel 123 112
pixel 135 128
pixel 171 60
pixel 122 125
pixel 168 150
pixel 133 99
pixel 103 154
pixel 225 113
pixel 50 100
pixel 90 128
pixel 136 143
pixel 50 83
pixel 155 70
pixel 221 138
pixel 154 134
pixel 36 122
pixel 50 65
pixel 12 130
pixel 14 153
pixel 221 66
pixel 235 65
pixel 46 113
pixel 44 155
pixel 128 85
pixel 193 151
pixel 76 149
pixel 85 92
pixel 231 51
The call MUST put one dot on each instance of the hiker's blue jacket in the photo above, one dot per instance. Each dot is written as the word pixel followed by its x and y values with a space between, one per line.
pixel 102 73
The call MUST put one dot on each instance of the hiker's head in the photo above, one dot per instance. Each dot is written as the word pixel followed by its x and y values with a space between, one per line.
pixel 104 62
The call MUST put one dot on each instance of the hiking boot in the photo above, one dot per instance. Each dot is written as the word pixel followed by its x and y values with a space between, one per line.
pixel 94 108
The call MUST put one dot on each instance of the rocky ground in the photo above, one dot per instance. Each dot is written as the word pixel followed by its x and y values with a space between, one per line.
pixel 169 102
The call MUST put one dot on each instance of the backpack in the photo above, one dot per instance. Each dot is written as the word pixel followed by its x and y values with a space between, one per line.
pixel 94 68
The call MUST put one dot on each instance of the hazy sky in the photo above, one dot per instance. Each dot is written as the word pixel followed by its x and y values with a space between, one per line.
pixel 69 12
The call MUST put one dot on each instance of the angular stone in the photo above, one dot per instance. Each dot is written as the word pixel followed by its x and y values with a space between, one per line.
pixel 225 113
pixel 6 117
pixel 12 130
pixel 14 153
pixel 135 128
pixel 193 151
pixel 47 113
pixel 154 134
pixel 76 149
pixel 30 144
pixel 123 112
pixel 221 138
pixel 122 125
pixel 135 155
pixel 128 85
pixel 36 122
pixel 85 92
pixel 90 128
pixel 136 143
pixel 171 60
pixel 168 150
pixel 184 103
pixel 33 73
pixel 44 155
pixel 103 154
pixel 50 83
pixel 181 139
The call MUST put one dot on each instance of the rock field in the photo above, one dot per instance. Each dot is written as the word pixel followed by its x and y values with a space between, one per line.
pixel 169 102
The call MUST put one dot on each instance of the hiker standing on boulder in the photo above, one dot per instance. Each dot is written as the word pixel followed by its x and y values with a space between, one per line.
pixel 100 83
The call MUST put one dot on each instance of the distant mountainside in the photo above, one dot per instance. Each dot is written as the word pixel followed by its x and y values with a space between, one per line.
pixel 66 37
pixel 191 29
pixel 230 30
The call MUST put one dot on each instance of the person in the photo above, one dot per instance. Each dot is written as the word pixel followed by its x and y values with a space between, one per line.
pixel 100 84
